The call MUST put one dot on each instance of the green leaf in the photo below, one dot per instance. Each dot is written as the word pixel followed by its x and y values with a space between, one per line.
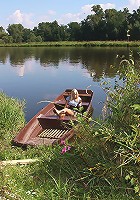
pixel 136 107
pixel 136 189
pixel 127 177
pixel 132 181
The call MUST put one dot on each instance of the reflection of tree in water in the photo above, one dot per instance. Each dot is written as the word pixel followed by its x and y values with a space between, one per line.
pixel 3 55
pixel 18 56
pixel 52 56
pixel 97 60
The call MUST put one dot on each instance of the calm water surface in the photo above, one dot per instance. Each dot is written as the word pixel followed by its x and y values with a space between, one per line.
pixel 42 73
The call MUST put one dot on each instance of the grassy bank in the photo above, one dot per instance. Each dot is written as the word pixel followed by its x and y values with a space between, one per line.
pixel 77 44
pixel 103 162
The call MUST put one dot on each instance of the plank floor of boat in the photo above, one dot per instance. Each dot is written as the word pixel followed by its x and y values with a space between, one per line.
pixel 52 133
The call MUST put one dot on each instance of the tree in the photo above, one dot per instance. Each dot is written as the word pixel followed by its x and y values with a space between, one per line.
pixel 26 34
pixel 94 25
pixel 63 32
pixel 4 38
pixel 55 31
pixel 7 39
pixel 114 23
pixel 44 30
pixel 38 39
pixel 74 30
pixel 135 25
pixel 16 31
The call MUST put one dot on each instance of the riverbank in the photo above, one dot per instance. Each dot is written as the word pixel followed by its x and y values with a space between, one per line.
pixel 102 162
pixel 77 44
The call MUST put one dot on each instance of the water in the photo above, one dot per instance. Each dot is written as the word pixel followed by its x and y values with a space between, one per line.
pixel 42 73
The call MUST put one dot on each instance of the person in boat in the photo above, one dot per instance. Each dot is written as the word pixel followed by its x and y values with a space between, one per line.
pixel 72 101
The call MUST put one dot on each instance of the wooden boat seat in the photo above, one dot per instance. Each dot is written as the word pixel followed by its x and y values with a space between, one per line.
pixel 53 121
pixel 50 117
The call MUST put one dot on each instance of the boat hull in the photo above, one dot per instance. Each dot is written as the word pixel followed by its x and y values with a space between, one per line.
pixel 46 128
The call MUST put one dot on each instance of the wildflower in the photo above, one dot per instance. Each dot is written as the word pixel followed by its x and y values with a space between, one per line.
pixel 62 142
pixel 69 147
pixel 64 150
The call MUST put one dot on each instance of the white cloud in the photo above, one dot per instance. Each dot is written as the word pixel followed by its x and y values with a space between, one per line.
pixel 78 17
pixel 87 9
pixel 69 17
pixel 21 18
pixel 107 6
pixel 49 17
pixel 133 5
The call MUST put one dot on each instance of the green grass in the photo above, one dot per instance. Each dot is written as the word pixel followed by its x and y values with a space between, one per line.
pixel 76 44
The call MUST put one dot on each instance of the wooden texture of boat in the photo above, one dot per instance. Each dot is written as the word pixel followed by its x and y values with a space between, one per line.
pixel 46 128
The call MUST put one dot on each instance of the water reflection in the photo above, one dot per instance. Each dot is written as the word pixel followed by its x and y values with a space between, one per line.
pixel 21 70
pixel 96 60
pixel 39 73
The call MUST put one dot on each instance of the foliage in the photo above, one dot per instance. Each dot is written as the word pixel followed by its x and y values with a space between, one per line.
pixel 16 31
pixel 103 25
pixel 110 148
pixel 11 113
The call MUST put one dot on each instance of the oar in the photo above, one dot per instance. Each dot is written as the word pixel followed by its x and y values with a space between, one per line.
pixel 45 101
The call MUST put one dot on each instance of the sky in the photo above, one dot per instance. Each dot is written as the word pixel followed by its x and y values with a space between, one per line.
pixel 30 13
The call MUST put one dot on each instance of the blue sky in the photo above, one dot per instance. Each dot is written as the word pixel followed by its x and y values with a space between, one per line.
pixel 31 12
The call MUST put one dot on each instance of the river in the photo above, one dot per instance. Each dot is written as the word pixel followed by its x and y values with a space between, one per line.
pixel 42 73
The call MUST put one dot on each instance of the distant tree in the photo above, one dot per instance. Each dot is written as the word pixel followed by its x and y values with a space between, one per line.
pixel 93 28
pixel 55 31
pixel 135 25
pixel 98 21
pixel 63 32
pixel 74 30
pixel 87 29
pixel 7 39
pixel 2 32
pixel 44 30
pixel 26 34
pixel 38 39
pixel 4 37
pixel 16 31
pixel 124 24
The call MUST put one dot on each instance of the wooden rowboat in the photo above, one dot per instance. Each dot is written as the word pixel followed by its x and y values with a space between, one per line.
pixel 46 128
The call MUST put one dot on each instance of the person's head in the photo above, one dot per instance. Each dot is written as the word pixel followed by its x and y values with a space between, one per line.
pixel 74 94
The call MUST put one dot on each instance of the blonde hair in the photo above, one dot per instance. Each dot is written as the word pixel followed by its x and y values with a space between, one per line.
pixel 73 93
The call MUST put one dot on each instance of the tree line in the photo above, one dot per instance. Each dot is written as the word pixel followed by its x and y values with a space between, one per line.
pixel 108 24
